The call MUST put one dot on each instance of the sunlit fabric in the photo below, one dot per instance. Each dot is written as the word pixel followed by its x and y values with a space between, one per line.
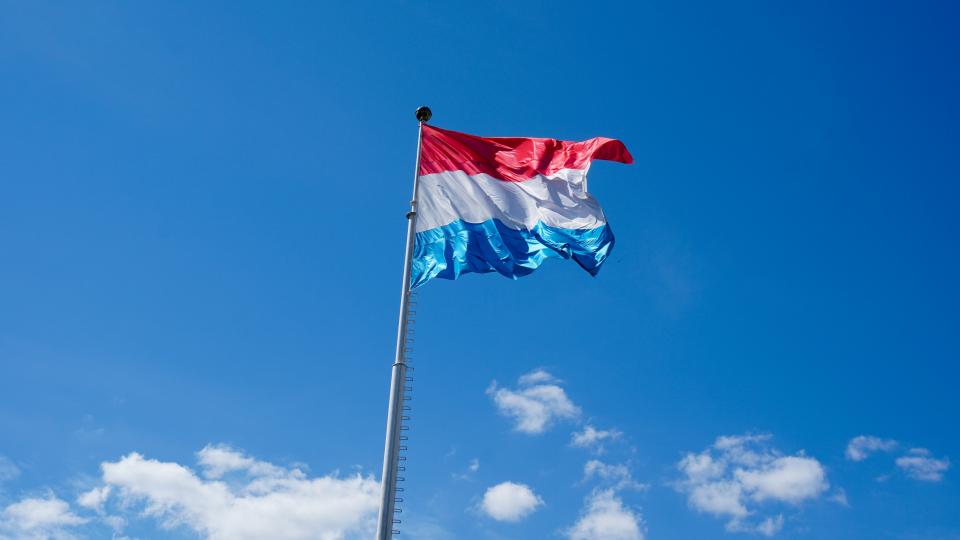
pixel 507 204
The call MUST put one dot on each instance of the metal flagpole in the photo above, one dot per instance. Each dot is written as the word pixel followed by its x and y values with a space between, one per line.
pixel 391 450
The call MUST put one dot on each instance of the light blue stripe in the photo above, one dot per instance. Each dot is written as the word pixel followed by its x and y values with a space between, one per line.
pixel 460 248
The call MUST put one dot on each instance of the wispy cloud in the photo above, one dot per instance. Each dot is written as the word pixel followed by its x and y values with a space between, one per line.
pixel 859 448
pixel 424 527
pixel 732 477
pixel 768 526
pixel 472 468
pixel 593 438
pixel 839 496
pixel 919 464
pixel 509 501
pixel 538 376
pixel 536 404
pixel 8 470
pixel 614 476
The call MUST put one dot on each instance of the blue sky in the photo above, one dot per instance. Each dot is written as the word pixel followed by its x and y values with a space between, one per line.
pixel 202 223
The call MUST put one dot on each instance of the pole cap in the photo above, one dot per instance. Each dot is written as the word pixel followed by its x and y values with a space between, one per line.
pixel 424 114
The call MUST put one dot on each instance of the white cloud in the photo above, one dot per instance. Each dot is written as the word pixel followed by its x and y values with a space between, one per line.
pixel 917 463
pixel 731 478
pixel 768 527
pixel 605 517
pixel 508 501
pixel 94 499
pixel 701 467
pixel 743 449
pixel 920 465
pixel 229 496
pixel 739 442
pixel 617 476
pixel 39 519
pixel 535 405
pixel 840 497
pixel 260 500
pixel 593 438
pixel 8 470
pixel 790 479
pixel 859 448
pixel 537 376
pixel 721 498
pixel 472 468
pixel 219 460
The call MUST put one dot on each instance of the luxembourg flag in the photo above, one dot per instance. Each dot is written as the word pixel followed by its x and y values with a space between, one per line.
pixel 506 204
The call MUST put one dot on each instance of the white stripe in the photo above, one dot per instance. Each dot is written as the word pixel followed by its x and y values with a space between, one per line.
pixel 558 201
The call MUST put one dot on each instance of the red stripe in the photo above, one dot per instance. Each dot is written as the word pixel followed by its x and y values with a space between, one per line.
pixel 512 159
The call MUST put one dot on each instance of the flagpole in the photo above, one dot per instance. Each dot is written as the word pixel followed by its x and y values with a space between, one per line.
pixel 391 450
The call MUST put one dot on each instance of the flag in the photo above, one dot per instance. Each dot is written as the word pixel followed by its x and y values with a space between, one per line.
pixel 506 204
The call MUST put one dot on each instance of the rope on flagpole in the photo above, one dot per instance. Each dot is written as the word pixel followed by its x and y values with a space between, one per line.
pixel 398 406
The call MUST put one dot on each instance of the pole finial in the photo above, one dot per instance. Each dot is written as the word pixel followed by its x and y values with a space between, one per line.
pixel 424 114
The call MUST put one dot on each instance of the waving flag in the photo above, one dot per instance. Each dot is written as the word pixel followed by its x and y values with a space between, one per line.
pixel 506 204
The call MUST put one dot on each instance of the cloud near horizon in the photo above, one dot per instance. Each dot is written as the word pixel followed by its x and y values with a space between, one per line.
pixel 231 496
pixel 34 518
pixel 239 498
